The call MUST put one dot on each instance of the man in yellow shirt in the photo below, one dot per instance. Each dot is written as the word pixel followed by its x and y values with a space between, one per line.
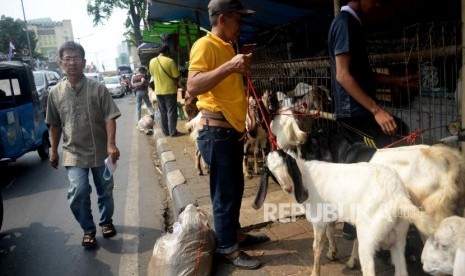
pixel 215 77
pixel 166 75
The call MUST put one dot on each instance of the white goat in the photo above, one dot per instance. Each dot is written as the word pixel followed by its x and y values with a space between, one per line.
pixel 383 209
pixel 194 125
pixel 444 252
pixel 287 132
pixel 433 175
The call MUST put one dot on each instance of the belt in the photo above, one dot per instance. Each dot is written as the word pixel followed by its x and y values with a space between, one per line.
pixel 213 115
pixel 214 122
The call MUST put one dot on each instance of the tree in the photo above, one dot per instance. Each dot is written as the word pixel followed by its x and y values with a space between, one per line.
pixel 15 31
pixel 137 9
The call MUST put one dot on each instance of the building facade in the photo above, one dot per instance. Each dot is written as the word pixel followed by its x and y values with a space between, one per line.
pixel 50 35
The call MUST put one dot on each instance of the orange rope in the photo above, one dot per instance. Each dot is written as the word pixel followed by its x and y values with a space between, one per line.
pixel 411 138
pixel 199 249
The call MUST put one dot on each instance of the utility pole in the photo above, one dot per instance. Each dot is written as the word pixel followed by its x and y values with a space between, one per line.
pixel 27 36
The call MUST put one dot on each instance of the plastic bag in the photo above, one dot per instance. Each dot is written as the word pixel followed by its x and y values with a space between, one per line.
pixel 188 250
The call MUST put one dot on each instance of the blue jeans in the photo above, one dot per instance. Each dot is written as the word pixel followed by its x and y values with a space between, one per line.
pixel 79 196
pixel 167 105
pixel 143 95
pixel 222 149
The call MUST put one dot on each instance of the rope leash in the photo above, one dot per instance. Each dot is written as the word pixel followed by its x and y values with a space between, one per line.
pixel 411 138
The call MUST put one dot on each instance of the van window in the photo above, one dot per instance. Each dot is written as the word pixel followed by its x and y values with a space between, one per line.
pixel 6 92
pixel 5 87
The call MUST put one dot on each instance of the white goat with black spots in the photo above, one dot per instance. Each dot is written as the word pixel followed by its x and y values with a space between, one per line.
pixel 383 209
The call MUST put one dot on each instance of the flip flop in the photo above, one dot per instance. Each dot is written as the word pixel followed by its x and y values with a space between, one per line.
pixel 89 241
pixel 108 230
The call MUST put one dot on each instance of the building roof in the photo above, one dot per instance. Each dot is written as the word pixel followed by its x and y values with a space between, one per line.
pixel 271 14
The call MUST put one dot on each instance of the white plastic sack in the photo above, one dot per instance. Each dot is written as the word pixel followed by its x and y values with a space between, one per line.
pixel 188 250
pixel 146 122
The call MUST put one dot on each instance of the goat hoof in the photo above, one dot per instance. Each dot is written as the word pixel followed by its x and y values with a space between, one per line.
pixel 331 256
pixel 350 264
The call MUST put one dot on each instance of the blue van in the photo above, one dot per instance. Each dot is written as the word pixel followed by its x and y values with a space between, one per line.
pixel 22 122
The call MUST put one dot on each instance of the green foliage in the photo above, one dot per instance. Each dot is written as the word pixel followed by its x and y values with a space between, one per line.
pixel 15 30
pixel 101 10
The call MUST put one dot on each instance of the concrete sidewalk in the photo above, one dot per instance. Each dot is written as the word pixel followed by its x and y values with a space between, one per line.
pixel 289 252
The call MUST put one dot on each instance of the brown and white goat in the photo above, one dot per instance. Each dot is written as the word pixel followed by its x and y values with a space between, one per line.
pixel 370 196
pixel 256 137
pixel 434 177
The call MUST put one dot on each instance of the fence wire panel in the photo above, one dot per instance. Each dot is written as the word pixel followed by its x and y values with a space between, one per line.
pixel 430 51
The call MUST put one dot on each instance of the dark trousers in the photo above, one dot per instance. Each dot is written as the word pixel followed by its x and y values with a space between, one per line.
pixel 222 150
pixel 167 105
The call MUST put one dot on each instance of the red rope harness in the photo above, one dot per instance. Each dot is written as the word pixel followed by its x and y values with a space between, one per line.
pixel 411 138
pixel 198 254
pixel 271 137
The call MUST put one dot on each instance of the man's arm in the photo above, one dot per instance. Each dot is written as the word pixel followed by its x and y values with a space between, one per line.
pixel 112 149
pixel 201 82
pixel 345 78
pixel 55 136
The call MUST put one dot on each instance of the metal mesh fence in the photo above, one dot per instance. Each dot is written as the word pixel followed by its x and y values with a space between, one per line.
pixel 431 51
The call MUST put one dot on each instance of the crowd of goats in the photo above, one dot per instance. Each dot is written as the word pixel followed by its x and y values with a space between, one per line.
pixel 419 184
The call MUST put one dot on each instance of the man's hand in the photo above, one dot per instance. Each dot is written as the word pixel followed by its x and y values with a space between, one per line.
pixel 113 151
pixel 54 159
pixel 241 63
pixel 385 121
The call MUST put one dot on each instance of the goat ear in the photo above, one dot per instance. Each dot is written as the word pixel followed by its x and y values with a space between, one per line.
pixel 300 191
pixel 262 189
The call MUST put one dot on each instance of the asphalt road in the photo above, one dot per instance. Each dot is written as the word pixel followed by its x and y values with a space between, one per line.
pixel 40 236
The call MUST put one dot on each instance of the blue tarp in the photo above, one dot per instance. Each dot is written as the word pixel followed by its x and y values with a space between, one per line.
pixel 268 14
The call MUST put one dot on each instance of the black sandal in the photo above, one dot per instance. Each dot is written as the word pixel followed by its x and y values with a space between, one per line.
pixel 89 241
pixel 108 230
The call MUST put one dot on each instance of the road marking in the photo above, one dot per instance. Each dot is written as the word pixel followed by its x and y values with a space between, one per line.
pixel 129 261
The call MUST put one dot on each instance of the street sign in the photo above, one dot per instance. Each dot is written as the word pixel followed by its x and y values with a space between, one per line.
pixel 25 52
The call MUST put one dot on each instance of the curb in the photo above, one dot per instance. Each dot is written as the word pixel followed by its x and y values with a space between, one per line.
pixel 176 183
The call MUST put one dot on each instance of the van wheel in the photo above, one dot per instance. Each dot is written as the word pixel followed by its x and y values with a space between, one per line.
pixel 44 148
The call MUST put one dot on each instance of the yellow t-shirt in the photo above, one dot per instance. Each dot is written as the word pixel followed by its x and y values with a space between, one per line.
pixel 228 96
pixel 164 85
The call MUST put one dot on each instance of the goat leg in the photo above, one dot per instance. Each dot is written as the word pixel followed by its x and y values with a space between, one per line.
pixel 198 158
pixel 319 231
pixel 353 255
pixel 255 162
pixel 332 251
pixel 245 163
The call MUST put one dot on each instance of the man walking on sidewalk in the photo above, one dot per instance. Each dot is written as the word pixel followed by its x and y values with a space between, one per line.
pixel 83 111
pixel 215 77
pixel 140 83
